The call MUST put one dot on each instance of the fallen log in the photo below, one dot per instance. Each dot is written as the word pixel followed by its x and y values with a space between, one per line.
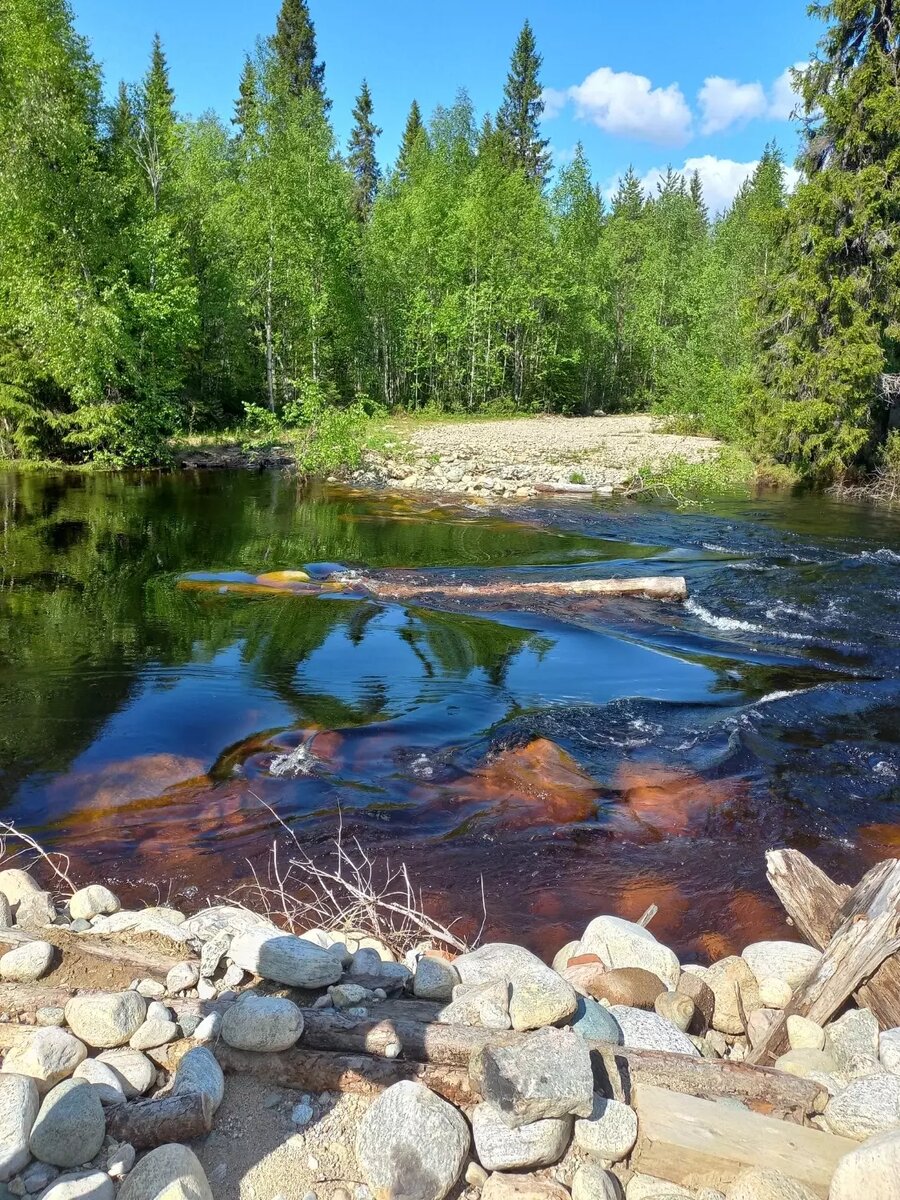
pixel 145 1124
pixel 816 906
pixel 699 1144
pixel 320 1071
pixel 654 587
pixel 868 933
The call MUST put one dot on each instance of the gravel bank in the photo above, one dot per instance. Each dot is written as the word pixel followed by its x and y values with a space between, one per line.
pixel 509 458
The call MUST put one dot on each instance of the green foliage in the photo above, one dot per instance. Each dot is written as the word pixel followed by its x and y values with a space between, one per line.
pixel 361 159
pixel 828 320
pixel 293 46
pixel 689 483
pixel 518 121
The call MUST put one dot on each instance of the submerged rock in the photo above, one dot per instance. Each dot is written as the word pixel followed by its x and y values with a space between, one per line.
pixel 411 1143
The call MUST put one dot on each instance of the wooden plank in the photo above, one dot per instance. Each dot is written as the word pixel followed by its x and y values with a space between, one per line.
pixel 698 1143
pixel 816 905
pixel 869 932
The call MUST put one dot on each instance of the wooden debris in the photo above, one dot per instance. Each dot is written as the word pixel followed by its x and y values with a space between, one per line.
pixel 816 906
pixel 696 1143
pixel 869 931
pixel 145 1124
pixel 655 587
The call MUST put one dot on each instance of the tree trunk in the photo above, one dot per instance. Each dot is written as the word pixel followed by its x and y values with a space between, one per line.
pixel 148 1123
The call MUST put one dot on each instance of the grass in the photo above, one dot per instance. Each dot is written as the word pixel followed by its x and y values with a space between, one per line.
pixel 731 472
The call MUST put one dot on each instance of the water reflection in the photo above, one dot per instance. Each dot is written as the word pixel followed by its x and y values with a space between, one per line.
pixel 579 756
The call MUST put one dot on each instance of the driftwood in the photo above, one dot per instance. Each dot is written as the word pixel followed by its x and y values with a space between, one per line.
pixel 319 1071
pixel 176 1117
pixel 144 962
pixel 566 489
pixel 868 933
pixel 655 587
pixel 815 904
pixel 701 1144
pixel 617 1068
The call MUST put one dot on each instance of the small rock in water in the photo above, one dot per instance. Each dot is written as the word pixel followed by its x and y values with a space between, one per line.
pixel 647 1031
pixel 609 1133
pixel 804 1034
pixel 27 963
pixel 19 1104
pixel 263 1023
pixel 500 1148
pixel 865 1106
pixel 48 1057
pixel 412 1143
pixel 869 1172
pixel 70 1126
pixel 81 1185
pixel 478 1004
pixel 182 976
pixel 547 1074
pixel 759 1184
pixel 677 1008
pixel 93 901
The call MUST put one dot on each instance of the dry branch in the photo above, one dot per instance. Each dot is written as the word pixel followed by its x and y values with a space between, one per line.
pixel 655 587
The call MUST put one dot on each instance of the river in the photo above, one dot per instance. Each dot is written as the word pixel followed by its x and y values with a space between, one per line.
pixel 533 765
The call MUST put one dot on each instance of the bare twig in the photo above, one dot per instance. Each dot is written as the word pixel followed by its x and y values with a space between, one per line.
pixel 31 850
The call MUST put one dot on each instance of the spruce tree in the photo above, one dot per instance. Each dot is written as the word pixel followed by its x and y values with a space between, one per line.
pixel 294 46
pixel 413 130
pixel 828 322
pixel 696 194
pixel 520 113
pixel 361 159
pixel 246 105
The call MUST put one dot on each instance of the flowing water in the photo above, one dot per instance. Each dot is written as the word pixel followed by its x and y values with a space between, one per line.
pixel 545 761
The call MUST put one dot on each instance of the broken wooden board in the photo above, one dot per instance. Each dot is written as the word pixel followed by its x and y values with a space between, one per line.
pixel 699 1143
pixel 816 905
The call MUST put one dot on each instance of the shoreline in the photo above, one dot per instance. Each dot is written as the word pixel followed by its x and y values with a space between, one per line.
pixel 218 1053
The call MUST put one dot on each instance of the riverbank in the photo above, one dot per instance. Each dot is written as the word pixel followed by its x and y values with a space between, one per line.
pixel 215 1053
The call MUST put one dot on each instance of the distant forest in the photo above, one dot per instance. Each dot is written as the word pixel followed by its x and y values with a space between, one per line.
pixel 160 276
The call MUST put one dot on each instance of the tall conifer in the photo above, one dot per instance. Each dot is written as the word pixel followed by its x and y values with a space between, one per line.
pixel 520 113
pixel 294 45
pixel 362 159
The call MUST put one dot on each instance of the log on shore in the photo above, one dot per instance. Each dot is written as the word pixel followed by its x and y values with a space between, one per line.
pixel 321 1071
pixel 654 587
pixel 176 1117
pixel 868 933
pixel 143 962
pixel 816 905
pixel 695 1143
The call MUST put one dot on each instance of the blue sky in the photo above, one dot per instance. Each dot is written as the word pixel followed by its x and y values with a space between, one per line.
pixel 680 82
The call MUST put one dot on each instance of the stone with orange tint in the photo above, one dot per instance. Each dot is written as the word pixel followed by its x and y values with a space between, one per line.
pixel 631 986
pixel 534 784
pixel 704 1000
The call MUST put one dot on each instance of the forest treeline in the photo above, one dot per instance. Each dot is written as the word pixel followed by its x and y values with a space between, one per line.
pixel 162 275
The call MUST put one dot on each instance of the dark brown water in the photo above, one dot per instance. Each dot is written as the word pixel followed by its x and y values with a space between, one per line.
pixel 576 758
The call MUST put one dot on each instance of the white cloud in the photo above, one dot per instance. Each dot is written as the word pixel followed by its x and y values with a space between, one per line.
pixel 626 104
pixel 783 96
pixel 562 155
pixel 725 102
pixel 554 102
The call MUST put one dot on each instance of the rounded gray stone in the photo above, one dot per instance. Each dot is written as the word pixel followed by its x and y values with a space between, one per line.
pixel 591 1182
pixel 182 976
pixel 865 1106
pixel 284 959
pixel 107 1019
pixel 411 1143
pixel 538 997
pixel 95 900
pixel 263 1023
pixel 500 1148
pixel 791 962
pixel 199 1071
pixel 869 1172
pixel 434 979
pixel 103 1078
pixel 27 963
pixel 172 1171
pixel 609 1133
pixel 15 884
pixel 70 1126
pixel 485 1005
pixel 134 1070
pixel 81 1185
pixel 19 1104
pixel 547 1074
pixel 49 1056
pixel 152 1034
